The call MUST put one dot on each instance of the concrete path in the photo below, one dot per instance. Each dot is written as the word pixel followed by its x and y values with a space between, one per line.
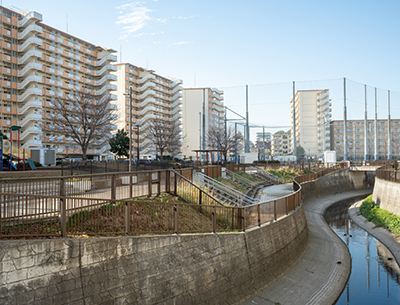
pixel 390 240
pixel 275 191
pixel 322 272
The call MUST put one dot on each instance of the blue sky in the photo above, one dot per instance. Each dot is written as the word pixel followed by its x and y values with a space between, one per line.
pixel 263 44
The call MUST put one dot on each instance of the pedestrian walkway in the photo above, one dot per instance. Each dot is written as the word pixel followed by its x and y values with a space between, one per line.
pixel 321 274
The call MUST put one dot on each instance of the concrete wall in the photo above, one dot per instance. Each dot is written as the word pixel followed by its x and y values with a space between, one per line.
pixel 338 182
pixel 177 269
pixel 387 195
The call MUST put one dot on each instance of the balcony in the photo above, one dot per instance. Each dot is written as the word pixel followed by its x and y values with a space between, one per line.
pixel 148 116
pixel 29 56
pixel 112 106
pixel 32 144
pixel 177 89
pixel 146 78
pixel 106 69
pixel 146 94
pixel 30 18
pixel 33 130
pixel 30 41
pixel 28 93
pixel 147 101
pixel 108 87
pixel 108 58
pixel 108 77
pixel 220 92
pixel 147 109
pixel 177 96
pixel 177 116
pixel 113 97
pixel 147 86
pixel 175 110
pixel 176 104
pixel 28 80
pixel 35 104
pixel 36 116
pixel 217 96
pixel 32 29
pixel 176 83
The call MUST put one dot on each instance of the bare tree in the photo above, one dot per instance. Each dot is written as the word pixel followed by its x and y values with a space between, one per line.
pixel 166 136
pixel 228 142
pixel 84 118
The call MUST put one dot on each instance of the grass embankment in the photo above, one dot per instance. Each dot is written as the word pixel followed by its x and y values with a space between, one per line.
pixel 381 217
pixel 287 175
pixel 231 184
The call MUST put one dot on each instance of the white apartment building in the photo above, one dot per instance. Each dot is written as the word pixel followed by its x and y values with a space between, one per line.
pixel 38 64
pixel 194 100
pixel 281 143
pixel 313 114
pixel 154 97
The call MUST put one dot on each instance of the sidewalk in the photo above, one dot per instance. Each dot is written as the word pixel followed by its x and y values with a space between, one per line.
pixel 321 274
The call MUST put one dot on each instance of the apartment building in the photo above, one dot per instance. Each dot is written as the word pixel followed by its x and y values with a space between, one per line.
pixel 313 113
pixel 356 139
pixel 154 97
pixel 281 143
pixel 40 64
pixel 194 100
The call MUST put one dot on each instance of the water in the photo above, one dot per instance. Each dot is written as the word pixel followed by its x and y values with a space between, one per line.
pixel 375 275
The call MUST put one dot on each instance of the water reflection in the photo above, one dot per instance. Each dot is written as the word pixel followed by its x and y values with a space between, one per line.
pixel 375 275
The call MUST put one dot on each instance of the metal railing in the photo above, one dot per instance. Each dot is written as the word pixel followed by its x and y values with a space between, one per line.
pixel 389 172
pixel 242 180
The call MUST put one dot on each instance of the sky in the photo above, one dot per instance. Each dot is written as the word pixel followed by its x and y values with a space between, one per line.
pixel 228 44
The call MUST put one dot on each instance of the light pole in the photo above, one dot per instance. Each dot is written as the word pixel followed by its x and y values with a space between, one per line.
pixel 138 156
pixel 130 127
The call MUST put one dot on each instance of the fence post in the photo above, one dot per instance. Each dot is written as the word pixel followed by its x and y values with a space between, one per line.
pixel 150 183
pixel 214 219
pixel 63 209
pixel 62 168
pixel 105 166
pixel 91 167
pixel 259 215
pixel 130 185
pixel 176 184
pixel 113 187
pixel 167 181
pixel 127 218
pixel 158 182
pixel 72 171
pixel 275 212
pixel 286 205
pixel 176 218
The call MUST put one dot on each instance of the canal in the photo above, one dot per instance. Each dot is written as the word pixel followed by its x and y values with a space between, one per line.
pixel 375 275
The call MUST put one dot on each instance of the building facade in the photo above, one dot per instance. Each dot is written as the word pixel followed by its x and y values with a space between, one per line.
pixel 40 64
pixel 313 114
pixel 356 139
pixel 194 129
pixel 154 97
pixel 281 143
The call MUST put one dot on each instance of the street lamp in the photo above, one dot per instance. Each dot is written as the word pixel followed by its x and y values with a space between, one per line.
pixel 138 156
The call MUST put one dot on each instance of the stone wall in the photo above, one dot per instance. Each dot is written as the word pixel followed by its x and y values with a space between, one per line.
pixel 174 269
pixel 387 195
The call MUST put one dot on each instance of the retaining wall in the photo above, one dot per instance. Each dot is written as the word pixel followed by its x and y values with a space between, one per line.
pixel 387 195
pixel 177 269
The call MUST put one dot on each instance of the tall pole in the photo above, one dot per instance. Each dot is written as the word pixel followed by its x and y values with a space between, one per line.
pixel 354 141
pixel 294 121
pixel 130 130
pixel 199 130
pixel 236 158
pixel 345 121
pixel 226 132
pixel 204 118
pixel 263 143
pixel 365 125
pixel 247 144
pixel 138 156
pixel 376 126
pixel 389 130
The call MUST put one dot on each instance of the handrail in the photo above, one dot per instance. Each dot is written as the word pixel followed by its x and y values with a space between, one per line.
pixel 240 178
pixel 389 172
pixel 263 172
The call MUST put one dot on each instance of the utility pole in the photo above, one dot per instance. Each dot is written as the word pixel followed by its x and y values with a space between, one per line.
pixel 345 121
pixel 389 130
pixel 247 144
pixel 236 158
pixel 376 126
pixel 199 130
pixel 263 143
pixel 204 118
pixel 365 126
pixel 294 120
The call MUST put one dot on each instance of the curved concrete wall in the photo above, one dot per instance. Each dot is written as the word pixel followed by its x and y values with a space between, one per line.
pixel 387 195
pixel 181 269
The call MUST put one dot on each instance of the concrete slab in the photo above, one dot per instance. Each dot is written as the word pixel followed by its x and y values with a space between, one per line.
pixel 322 273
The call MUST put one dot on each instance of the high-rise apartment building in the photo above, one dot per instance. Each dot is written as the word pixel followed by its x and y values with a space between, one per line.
pixel 313 114
pixel 356 139
pixel 203 109
pixel 154 97
pixel 40 64
pixel 281 143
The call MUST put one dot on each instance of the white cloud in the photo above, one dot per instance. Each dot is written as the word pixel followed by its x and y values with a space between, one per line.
pixel 182 42
pixel 133 16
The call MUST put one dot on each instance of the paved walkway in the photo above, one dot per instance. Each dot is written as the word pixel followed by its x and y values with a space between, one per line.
pixel 384 236
pixel 322 272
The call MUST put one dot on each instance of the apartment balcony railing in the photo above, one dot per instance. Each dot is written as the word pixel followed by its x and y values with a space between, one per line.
pixel 176 110
pixel 147 86
pixel 105 78
pixel 217 96
pixel 36 116
pixel 33 130
pixel 218 91
pixel 30 41
pixel 29 56
pixel 31 144
pixel 176 89
pixel 107 58
pixel 146 78
pixel 32 29
pixel 176 104
pixel 177 96
pixel 29 18
pixel 147 101
pixel 176 83
pixel 29 67
pixel 105 69
pixel 112 106
pixel 108 87
pixel 177 116
pixel 147 109
pixel 28 93
pixel 35 104
pixel 30 79
pixel 146 94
